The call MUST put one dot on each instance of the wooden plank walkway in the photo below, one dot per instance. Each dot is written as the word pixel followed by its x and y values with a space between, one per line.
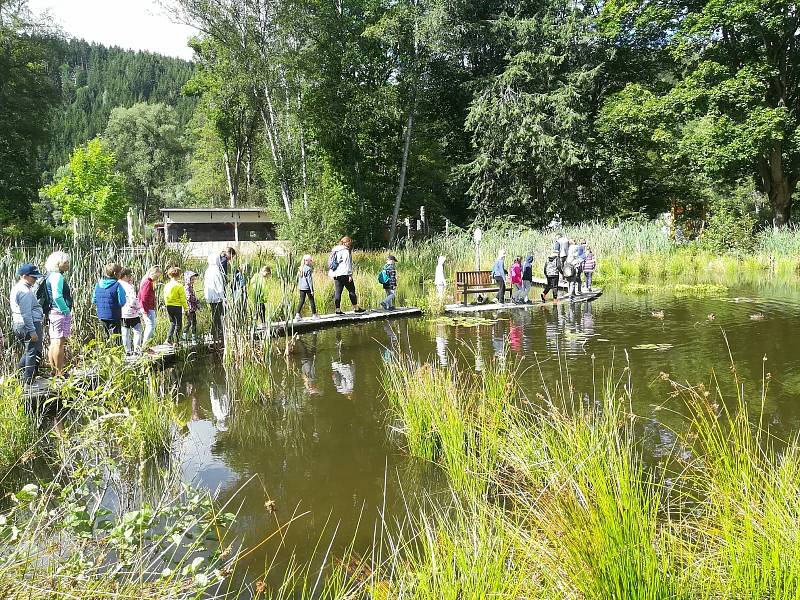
pixel 460 309
pixel 161 354
pixel 307 324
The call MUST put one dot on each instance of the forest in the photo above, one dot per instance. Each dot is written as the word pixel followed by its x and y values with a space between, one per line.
pixel 349 116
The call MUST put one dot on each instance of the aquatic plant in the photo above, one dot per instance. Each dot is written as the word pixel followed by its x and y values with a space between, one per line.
pixel 18 425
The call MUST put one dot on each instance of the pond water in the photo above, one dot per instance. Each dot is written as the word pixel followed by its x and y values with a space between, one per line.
pixel 323 449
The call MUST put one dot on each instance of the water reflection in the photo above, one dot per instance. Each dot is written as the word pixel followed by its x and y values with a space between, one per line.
pixel 322 440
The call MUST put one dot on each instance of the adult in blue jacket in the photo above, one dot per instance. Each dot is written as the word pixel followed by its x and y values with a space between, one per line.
pixel 109 298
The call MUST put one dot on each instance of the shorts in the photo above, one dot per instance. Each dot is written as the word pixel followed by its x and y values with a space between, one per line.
pixel 132 322
pixel 60 325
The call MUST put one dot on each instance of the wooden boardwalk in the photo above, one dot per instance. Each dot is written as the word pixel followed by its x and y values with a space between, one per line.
pixel 161 354
pixel 460 309
pixel 307 324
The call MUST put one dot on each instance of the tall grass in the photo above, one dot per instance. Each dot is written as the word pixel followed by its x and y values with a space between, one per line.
pixel 18 426
pixel 86 268
pixel 577 495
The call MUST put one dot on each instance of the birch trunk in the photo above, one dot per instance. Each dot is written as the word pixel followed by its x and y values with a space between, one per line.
pixel 402 182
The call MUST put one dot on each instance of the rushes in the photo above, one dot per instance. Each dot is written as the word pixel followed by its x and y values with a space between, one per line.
pixel 18 427
pixel 576 494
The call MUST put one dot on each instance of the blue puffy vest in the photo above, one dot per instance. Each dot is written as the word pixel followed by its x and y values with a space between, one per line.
pixel 107 300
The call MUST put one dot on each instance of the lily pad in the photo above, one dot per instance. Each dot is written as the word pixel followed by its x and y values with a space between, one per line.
pixel 658 347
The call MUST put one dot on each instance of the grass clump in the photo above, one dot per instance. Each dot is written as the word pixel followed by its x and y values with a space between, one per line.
pixel 18 426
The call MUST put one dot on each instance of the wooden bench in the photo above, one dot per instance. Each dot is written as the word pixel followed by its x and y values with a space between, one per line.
pixel 476 282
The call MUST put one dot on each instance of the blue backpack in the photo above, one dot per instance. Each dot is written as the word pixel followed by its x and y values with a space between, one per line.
pixel 383 277
pixel 333 261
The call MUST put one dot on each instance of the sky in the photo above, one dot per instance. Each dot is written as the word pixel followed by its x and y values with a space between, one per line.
pixel 132 24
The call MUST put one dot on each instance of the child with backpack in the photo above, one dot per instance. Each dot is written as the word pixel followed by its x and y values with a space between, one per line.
pixel 515 274
pixel 589 266
pixel 388 278
pixel 527 278
pixel 305 283
pixel 552 269
pixel 131 315
pixel 109 298
pixel 175 302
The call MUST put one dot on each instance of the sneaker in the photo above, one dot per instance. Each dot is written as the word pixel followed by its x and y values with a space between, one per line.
pixel 338 312
pixel 359 310
pixel 315 316
pixel 384 307
pixel 297 317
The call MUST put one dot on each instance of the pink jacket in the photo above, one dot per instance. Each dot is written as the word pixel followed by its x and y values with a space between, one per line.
pixel 516 273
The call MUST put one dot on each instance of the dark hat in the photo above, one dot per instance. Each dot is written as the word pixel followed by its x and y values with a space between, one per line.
pixel 391 257
pixel 28 269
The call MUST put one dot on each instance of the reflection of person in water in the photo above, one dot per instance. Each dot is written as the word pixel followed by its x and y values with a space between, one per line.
pixel 441 343
pixel 392 340
pixel 220 405
pixel 551 327
pixel 343 373
pixel 307 352
pixel 587 319
pixel 499 342
pixel 198 414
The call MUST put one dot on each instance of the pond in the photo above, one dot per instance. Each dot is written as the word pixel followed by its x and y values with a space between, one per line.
pixel 323 450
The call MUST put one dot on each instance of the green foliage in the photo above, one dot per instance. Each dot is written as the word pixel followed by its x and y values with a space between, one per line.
pixel 90 187
pixel 28 93
pixel 95 79
pixel 329 214
pixel 732 222
pixel 146 140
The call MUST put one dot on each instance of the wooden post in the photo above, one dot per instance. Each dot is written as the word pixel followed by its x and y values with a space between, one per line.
pixel 422 220
pixel 130 227
pixel 408 227
pixel 447 227
pixel 419 225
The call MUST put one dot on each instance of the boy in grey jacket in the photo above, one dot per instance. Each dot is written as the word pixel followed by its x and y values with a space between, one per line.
pixel 27 318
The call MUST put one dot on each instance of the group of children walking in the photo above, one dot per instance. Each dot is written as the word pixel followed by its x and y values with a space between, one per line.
pixel 569 259
pixel 130 314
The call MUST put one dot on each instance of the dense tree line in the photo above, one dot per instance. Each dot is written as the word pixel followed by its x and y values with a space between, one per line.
pixel 367 109
pixel 351 115
pixel 95 79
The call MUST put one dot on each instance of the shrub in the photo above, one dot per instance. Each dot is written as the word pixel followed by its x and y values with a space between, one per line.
pixel 732 221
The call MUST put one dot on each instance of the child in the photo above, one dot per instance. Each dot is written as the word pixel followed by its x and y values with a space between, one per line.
pixel 259 293
pixel 239 284
pixel 439 279
pixel 131 315
pixel 551 273
pixel 305 283
pixel 109 298
pixel 527 278
pixel 589 265
pixel 515 275
pixel 389 280
pixel 175 301
pixel 193 305
pixel 147 300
